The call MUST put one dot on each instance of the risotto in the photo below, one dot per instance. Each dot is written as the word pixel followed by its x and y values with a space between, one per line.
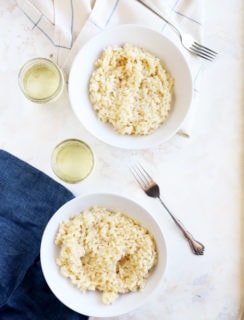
pixel 131 90
pixel 105 251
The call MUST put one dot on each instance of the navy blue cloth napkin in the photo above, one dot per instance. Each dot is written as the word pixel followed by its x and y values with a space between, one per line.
pixel 28 198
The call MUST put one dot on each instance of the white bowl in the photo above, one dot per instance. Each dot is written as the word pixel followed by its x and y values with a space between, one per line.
pixel 155 43
pixel 90 303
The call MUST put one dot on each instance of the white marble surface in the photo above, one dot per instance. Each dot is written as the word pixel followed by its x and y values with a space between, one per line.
pixel 201 177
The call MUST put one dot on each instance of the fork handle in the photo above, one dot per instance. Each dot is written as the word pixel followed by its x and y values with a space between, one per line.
pixel 155 10
pixel 196 246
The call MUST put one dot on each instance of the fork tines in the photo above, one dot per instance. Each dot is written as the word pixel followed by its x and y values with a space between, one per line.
pixel 141 175
pixel 203 51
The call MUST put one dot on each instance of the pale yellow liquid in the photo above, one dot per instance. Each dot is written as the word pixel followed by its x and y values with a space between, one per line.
pixel 41 81
pixel 73 161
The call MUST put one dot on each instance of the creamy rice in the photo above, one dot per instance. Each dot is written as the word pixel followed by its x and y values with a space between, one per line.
pixel 106 251
pixel 131 90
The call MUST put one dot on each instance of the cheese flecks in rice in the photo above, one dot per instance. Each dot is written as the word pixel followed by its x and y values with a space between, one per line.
pixel 131 90
pixel 106 251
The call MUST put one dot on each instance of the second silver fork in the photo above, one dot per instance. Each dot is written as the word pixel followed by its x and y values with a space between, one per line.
pixel 151 188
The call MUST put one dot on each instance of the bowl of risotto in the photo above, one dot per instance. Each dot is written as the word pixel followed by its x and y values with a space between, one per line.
pixel 131 87
pixel 103 255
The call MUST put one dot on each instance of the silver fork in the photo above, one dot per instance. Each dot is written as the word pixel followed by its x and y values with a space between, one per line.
pixel 187 41
pixel 151 188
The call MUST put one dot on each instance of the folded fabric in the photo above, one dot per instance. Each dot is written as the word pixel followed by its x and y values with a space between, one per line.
pixel 69 24
pixel 28 198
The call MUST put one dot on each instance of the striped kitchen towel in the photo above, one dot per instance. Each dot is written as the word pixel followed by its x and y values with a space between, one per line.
pixel 67 25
